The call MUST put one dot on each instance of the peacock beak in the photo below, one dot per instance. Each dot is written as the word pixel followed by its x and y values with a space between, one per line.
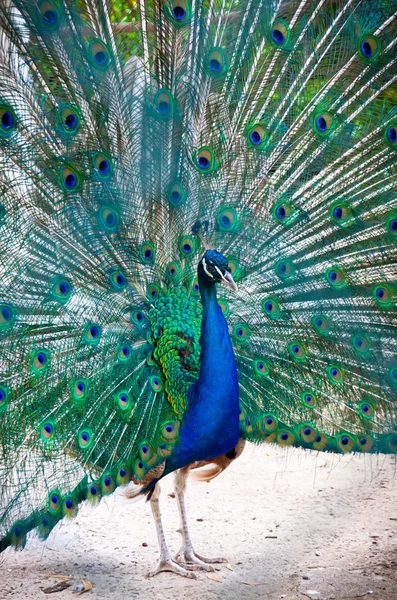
pixel 228 280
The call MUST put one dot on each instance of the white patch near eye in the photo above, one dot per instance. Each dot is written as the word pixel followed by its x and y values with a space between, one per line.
pixel 206 270
pixel 219 271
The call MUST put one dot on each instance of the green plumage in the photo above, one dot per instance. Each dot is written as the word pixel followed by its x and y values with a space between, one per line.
pixel 265 130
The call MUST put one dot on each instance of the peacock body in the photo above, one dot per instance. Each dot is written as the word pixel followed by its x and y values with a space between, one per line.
pixel 250 142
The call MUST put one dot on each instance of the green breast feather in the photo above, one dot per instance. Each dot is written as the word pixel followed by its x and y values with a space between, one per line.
pixel 175 321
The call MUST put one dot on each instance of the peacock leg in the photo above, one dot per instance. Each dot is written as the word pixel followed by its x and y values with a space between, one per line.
pixel 186 554
pixel 166 563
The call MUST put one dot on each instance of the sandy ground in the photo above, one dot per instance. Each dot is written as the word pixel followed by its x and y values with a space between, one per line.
pixel 293 525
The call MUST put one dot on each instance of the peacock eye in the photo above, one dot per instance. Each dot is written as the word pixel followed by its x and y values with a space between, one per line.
pixel 211 268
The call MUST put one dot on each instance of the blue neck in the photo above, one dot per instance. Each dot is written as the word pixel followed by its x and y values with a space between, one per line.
pixel 210 426
pixel 217 362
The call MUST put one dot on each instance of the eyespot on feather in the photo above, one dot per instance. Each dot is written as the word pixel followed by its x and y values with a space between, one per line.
pixel 241 333
pixel 164 104
pixel 156 383
pixel 94 493
pixel 224 307
pixel 280 34
pixel 49 14
pixel 285 438
pixel 85 439
pixel 69 119
pixel 234 267
pixel 285 268
pixel 216 64
pixel 54 501
pixel 335 374
pixel 270 423
pixel 123 476
pixel 297 351
pixel 138 317
pixel 109 218
pixel 152 291
pixel 335 277
pixel 392 376
pixel 108 484
pixel 187 245
pixel 366 409
pixel 256 136
pixel 176 193
pixel 62 289
pixel 139 470
pixel 123 400
pixel 47 522
pixel 79 391
pixel 321 324
pixel 284 213
pixel 147 253
pixel 70 506
pixel 70 179
pixel 40 361
pixel 262 367
pixel 99 54
pixel 227 219
pixel 92 334
pixel 170 431
pixel 391 442
pixel 391 225
pixel 324 123
pixel 307 433
pixel 320 442
pixel 124 352
pixel 390 135
pixel 345 442
pixel 179 12
pixel 7 316
pixel 195 289
pixel 383 296
pixel 47 430
pixel 165 449
pixel 204 160
pixel 117 280
pixel 365 443
pixel 102 165
pixel 341 214
pixel 4 397
pixel 18 535
pixel 369 48
pixel 173 272
pixel 271 307
pixel 246 425
pixel 308 399
pixel 361 344
pixel 148 456
pixel 8 121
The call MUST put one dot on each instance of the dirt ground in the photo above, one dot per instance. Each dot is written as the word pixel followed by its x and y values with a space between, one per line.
pixel 293 525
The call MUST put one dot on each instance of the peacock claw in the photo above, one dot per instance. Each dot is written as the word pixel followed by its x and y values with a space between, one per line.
pixel 171 566
pixel 192 560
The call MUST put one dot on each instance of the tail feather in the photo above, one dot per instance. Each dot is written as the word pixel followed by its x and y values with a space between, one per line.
pixel 263 129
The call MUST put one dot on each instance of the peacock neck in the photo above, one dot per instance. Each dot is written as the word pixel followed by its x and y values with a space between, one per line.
pixel 210 425
pixel 218 373
pixel 215 340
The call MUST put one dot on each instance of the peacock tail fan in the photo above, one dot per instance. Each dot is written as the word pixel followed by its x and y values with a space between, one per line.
pixel 266 130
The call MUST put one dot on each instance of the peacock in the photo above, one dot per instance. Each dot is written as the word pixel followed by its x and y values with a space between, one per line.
pixel 198 244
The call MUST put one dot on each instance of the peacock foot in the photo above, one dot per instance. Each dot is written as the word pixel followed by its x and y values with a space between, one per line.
pixel 171 566
pixel 192 560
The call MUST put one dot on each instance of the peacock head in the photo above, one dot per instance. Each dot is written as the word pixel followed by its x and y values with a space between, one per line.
pixel 214 268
